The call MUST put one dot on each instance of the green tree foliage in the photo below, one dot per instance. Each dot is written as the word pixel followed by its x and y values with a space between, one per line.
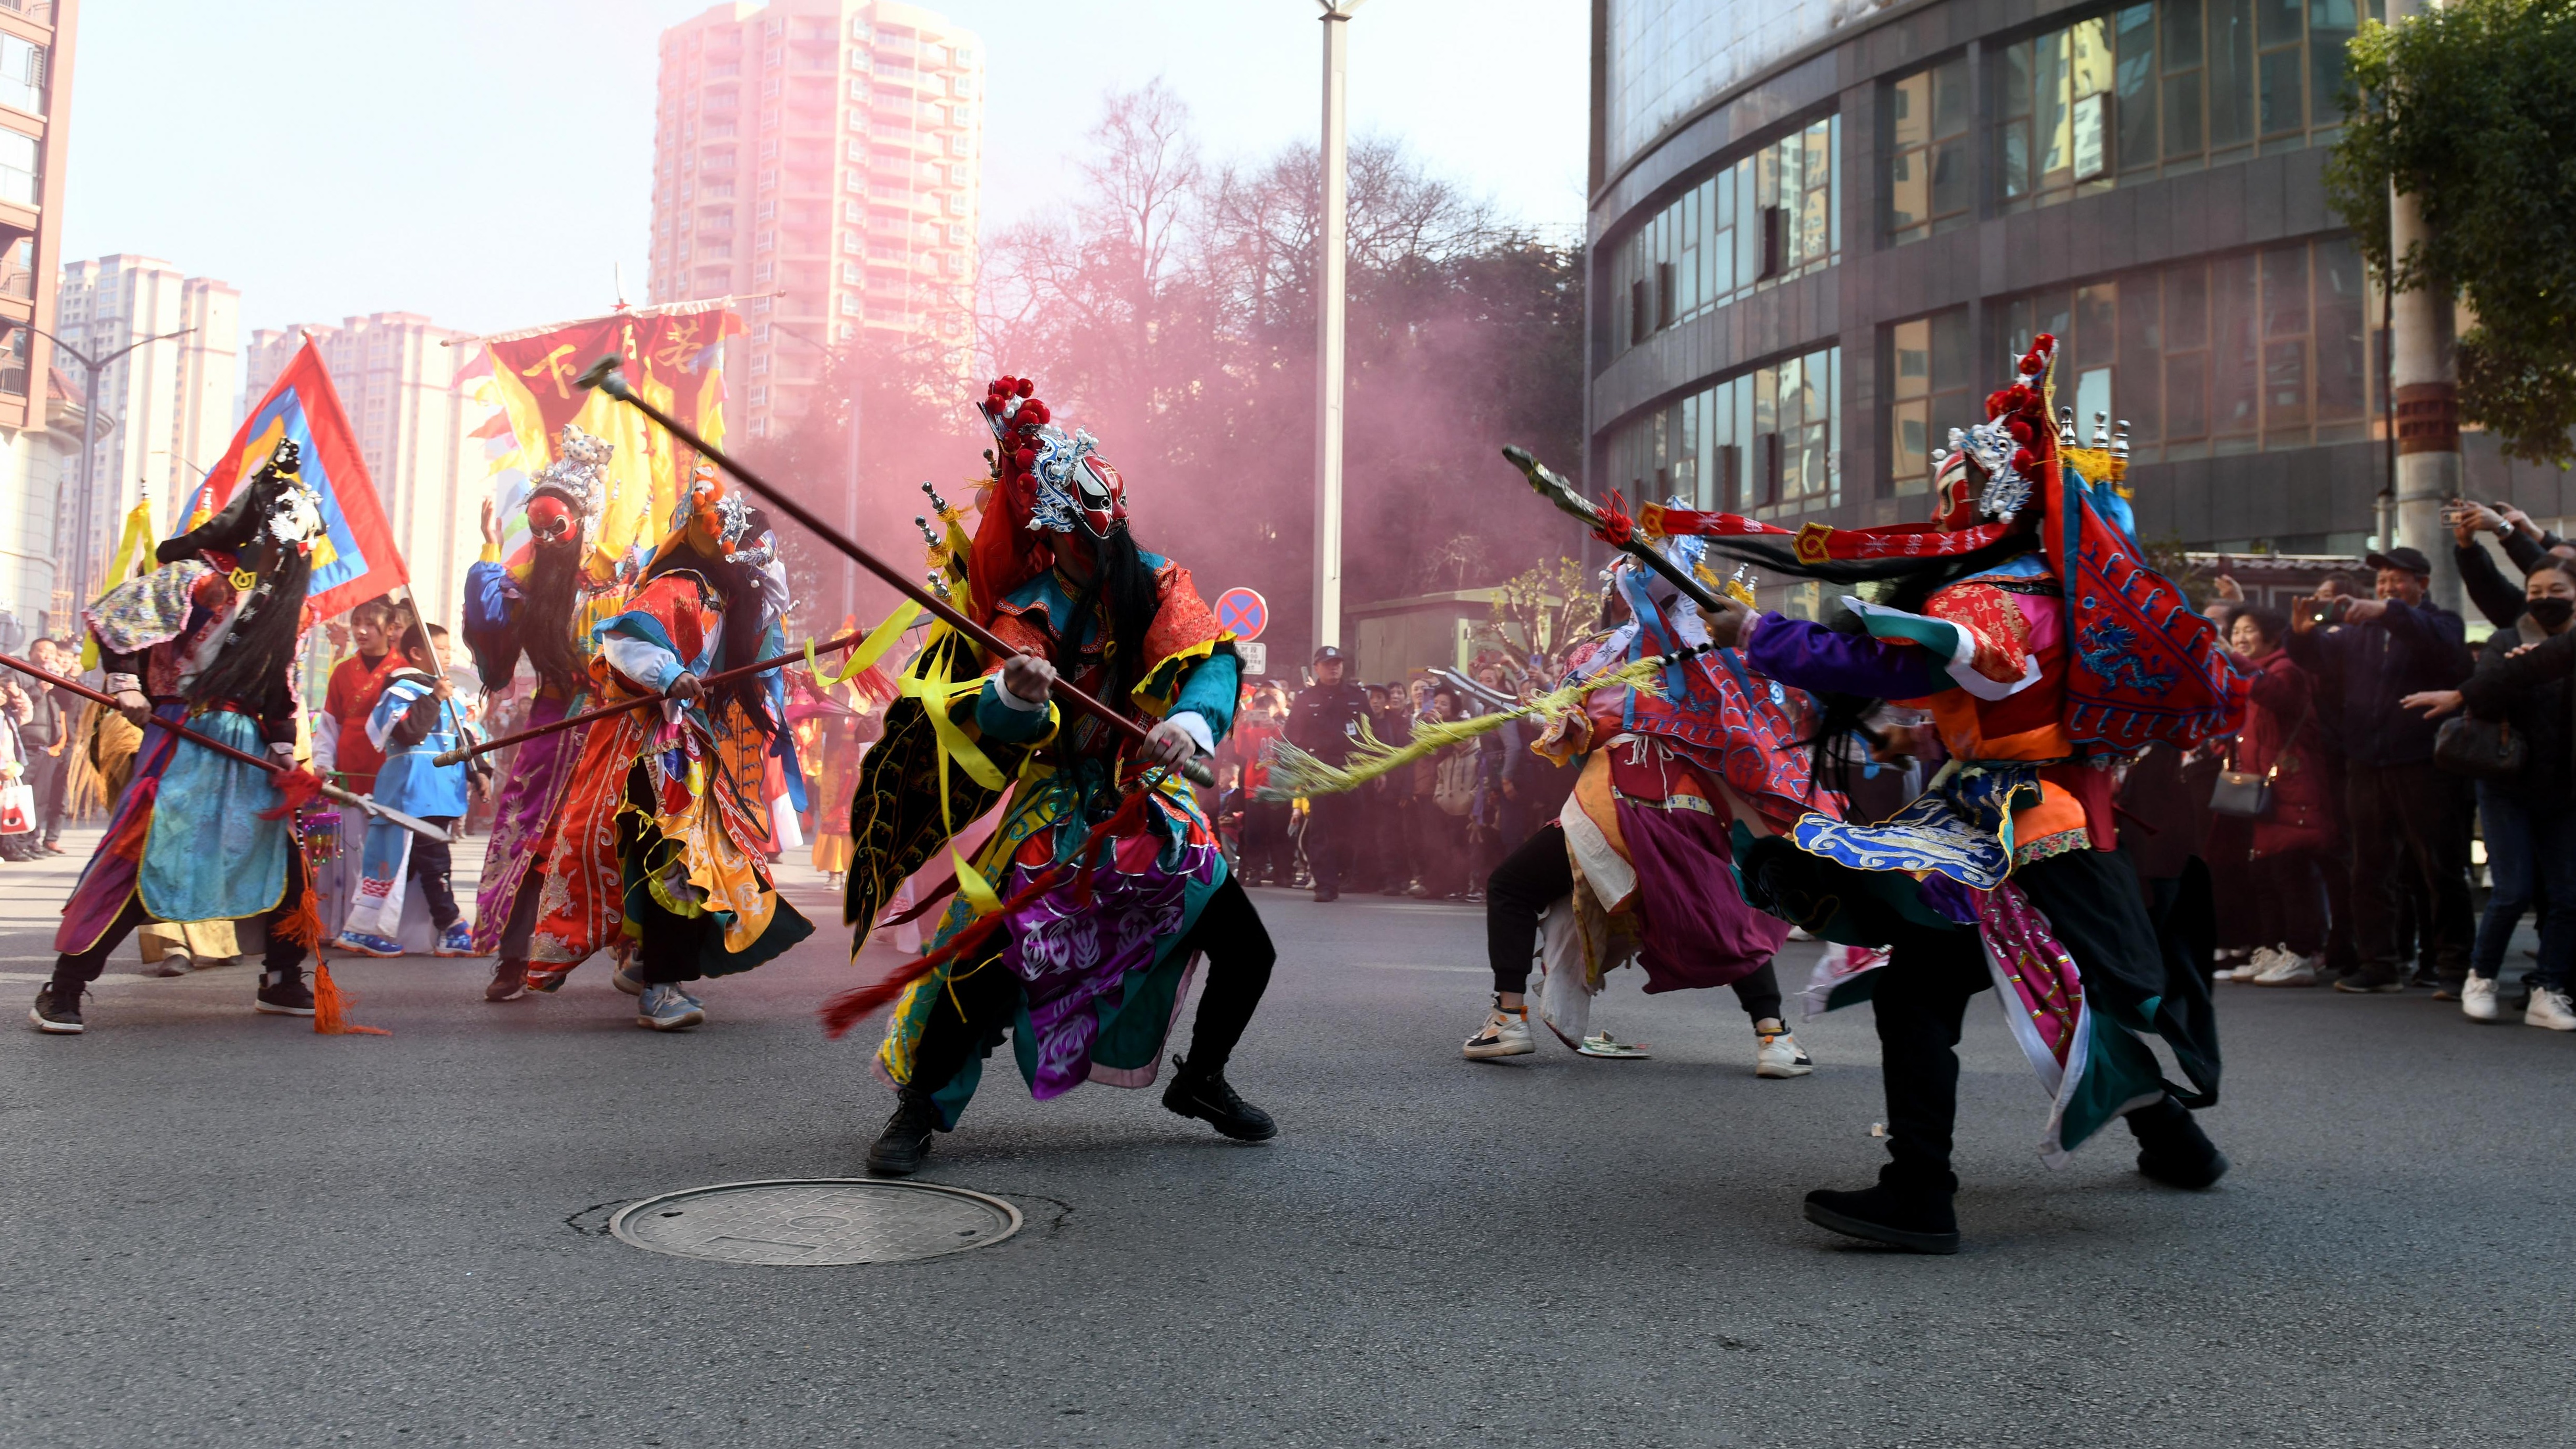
pixel 2471 109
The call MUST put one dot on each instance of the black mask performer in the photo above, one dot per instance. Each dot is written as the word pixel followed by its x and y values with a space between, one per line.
pixel 2028 624
pixel 543 616
pixel 209 638
pixel 1106 883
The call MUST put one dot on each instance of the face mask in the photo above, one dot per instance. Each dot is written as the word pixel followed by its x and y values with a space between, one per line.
pixel 2550 614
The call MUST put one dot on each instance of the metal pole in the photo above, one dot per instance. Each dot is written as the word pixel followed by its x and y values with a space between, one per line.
pixel 2426 378
pixel 1330 282
pixel 850 508
pixel 89 449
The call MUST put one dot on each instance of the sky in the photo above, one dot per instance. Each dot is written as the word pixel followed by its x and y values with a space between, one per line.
pixel 488 163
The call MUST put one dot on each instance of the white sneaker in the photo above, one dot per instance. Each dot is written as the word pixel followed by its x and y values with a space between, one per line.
pixel 1506 1033
pixel 2550 1008
pixel 1777 1054
pixel 2290 970
pixel 2478 999
pixel 2256 962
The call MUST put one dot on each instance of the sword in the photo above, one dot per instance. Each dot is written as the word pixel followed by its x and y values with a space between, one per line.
pixel 1553 487
pixel 412 823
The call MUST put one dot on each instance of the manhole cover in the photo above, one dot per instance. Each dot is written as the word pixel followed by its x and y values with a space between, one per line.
pixel 820 1221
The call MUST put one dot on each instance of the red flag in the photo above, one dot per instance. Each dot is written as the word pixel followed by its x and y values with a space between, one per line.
pixel 355 559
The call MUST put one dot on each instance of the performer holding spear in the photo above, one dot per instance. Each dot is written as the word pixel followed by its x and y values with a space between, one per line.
pixel 201 651
pixel 1115 883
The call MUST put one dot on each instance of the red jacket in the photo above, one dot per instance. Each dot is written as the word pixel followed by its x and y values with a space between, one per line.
pixel 2281 728
pixel 347 701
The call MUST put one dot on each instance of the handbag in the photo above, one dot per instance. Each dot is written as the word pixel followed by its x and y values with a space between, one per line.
pixel 2245 794
pixel 17 808
pixel 2482 749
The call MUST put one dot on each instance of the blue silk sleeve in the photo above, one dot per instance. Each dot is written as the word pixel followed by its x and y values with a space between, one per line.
pixel 1210 690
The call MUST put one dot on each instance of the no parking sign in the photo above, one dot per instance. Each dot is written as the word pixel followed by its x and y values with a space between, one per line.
pixel 1242 613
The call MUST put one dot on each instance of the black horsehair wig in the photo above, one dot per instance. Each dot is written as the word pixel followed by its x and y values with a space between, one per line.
pixel 1126 588
pixel 740 588
pixel 554 592
pixel 1910 583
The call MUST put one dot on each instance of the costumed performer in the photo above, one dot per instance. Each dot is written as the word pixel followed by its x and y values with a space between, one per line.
pixel 2027 621
pixel 209 639
pixel 544 617
pixel 1108 883
pixel 662 831
pixel 1640 860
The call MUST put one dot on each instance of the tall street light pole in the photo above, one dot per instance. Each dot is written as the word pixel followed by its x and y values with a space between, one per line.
pixel 89 429
pixel 1330 281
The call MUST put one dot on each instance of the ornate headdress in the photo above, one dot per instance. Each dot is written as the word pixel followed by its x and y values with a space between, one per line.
pixel 1060 479
pixel 713 519
pixel 2000 460
pixel 565 498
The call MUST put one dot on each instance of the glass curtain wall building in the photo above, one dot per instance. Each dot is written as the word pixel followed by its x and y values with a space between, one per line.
pixel 1819 228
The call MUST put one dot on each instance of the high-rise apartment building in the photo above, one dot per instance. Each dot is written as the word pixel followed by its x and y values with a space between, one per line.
pixel 818 159
pixel 396 374
pixel 35 100
pixel 165 405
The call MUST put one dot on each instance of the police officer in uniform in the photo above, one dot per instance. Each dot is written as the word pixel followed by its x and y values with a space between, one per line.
pixel 1325 724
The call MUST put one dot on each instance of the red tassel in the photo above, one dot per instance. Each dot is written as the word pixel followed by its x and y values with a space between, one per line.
pixel 1616 526
pixel 300 786
pixel 331 1009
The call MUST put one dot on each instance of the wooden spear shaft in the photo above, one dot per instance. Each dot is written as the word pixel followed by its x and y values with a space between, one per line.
pixel 847 641
pixel 413 824
pixel 604 376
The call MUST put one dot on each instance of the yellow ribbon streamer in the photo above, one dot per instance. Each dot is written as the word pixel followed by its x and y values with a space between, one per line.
pixel 869 650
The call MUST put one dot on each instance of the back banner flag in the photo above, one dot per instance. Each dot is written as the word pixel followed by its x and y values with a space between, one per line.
pixel 355 559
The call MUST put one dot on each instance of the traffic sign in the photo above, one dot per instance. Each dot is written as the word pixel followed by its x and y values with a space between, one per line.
pixel 1255 657
pixel 1242 612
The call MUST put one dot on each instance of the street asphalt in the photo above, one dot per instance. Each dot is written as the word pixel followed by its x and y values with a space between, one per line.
pixel 222 1229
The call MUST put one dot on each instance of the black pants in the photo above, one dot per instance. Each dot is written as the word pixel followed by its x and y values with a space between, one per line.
pixel 282 954
pixel 1538 875
pixel 1333 824
pixel 2404 821
pixel 432 866
pixel 1268 854
pixel 668 947
pixel 1239 955
pixel 2094 904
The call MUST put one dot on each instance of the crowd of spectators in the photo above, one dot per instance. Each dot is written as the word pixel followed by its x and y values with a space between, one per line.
pixel 1431 828
pixel 2389 755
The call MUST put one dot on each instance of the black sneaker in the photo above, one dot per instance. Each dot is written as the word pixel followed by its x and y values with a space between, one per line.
pixel 906 1138
pixel 2358 984
pixel 57 1012
pixel 1325 895
pixel 1918 1220
pixel 283 995
pixel 1206 1096
pixel 2173 1150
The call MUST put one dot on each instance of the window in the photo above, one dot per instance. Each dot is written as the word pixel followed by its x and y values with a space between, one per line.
pixel 1929 112
pixel 22 177
pixel 22 75
pixel 1932 391
pixel 2052 115
pixel 1766 442
pixel 13 362
pixel 2154 89
pixel 18 268
pixel 1773 214
pixel 2233 354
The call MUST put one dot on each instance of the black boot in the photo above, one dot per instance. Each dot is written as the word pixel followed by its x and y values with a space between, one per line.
pixel 1205 1095
pixel 906 1138
pixel 283 993
pixel 2173 1150
pixel 1904 1213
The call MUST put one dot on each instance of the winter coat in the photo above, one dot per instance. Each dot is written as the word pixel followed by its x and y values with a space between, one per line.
pixel 2537 708
pixel 2281 729
pixel 2410 649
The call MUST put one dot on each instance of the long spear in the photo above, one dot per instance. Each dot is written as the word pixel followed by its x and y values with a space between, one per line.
pixel 414 824
pixel 451 757
pixel 603 375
